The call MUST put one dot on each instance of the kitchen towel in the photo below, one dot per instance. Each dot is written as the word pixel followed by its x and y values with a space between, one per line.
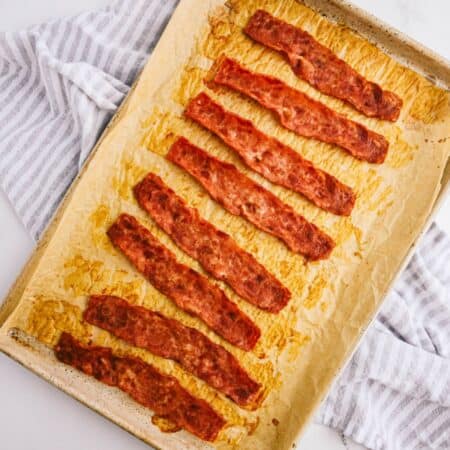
pixel 59 85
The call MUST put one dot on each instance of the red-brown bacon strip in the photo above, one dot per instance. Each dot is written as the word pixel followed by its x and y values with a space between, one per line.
pixel 321 68
pixel 145 384
pixel 216 251
pixel 302 114
pixel 271 158
pixel 171 339
pixel 189 290
pixel 243 197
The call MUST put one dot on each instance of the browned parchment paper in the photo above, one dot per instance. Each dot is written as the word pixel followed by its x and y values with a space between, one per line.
pixel 301 349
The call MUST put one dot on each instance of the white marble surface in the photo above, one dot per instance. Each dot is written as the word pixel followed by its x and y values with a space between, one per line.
pixel 33 414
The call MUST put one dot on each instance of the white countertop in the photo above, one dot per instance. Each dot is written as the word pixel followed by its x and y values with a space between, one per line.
pixel 35 415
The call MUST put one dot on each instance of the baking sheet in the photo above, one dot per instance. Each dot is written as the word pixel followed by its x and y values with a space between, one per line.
pixel 303 348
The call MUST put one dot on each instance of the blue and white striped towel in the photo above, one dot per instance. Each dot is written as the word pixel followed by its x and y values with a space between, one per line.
pixel 61 82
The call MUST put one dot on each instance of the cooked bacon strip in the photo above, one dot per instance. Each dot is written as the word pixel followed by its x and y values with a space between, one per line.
pixel 321 68
pixel 271 158
pixel 302 114
pixel 189 290
pixel 243 197
pixel 171 339
pixel 144 383
pixel 216 251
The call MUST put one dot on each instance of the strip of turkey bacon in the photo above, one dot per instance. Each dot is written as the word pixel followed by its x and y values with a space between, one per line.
pixel 144 383
pixel 243 197
pixel 188 289
pixel 321 68
pixel 301 114
pixel 215 250
pixel 272 159
pixel 170 339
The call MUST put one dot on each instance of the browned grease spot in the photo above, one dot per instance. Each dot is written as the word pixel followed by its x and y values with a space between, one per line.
pixel 99 220
pixel 190 83
pixel 431 105
pixel 252 426
pixel 159 135
pixel 49 318
pixel 126 177
pixel 296 343
pixel 83 276
pixel 221 30
pixel 165 425
pixel 315 292
pixel 275 421
pixel 400 152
